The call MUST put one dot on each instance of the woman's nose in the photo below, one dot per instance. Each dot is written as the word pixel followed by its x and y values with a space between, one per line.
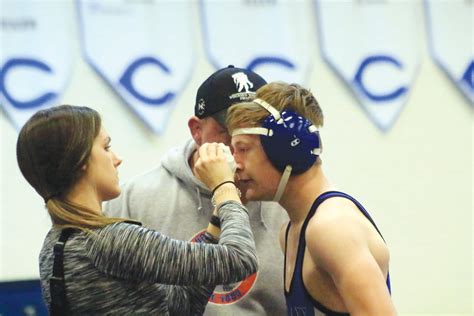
pixel 118 161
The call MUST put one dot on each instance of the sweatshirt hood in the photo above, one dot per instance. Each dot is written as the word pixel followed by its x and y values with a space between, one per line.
pixel 176 162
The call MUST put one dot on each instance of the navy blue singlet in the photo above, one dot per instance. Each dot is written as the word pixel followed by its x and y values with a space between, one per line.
pixel 298 300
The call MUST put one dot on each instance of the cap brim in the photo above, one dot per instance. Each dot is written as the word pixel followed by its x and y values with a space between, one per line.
pixel 221 117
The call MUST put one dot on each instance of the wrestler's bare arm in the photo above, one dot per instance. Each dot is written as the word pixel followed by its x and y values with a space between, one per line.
pixel 338 244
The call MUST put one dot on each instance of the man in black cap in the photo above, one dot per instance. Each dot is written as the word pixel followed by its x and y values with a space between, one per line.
pixel 223 88
pixel 172 200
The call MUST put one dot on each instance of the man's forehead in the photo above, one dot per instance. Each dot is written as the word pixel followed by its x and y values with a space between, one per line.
pixel 214 124
pixel 245 140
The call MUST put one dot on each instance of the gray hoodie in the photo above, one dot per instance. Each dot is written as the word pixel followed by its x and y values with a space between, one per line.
pixel 170 199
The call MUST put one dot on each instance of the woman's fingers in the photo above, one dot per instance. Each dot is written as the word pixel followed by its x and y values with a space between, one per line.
pixel 212 167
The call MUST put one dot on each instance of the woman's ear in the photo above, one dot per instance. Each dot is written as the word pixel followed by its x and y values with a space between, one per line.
pixel 84 167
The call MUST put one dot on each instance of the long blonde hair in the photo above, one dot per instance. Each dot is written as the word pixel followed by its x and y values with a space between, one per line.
pixel 52 147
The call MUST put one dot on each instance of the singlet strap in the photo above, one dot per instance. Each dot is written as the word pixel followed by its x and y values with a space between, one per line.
pixel 286 234
pixel 59 305
pixel 320 199
pixel 301 244
pixel 284 258
pixel 330 194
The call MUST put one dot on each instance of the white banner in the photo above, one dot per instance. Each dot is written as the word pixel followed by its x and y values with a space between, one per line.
pixel 35 56
pixel 143 49
pixel 450 29
pixel 268 37
pixel 374 47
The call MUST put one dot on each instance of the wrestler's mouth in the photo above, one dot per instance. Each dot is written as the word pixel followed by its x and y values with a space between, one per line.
pixel 244 182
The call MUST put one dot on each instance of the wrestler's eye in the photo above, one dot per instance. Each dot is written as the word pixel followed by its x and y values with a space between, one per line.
pixel 242 149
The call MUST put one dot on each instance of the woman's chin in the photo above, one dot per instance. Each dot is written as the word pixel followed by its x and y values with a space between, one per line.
pixel 112 195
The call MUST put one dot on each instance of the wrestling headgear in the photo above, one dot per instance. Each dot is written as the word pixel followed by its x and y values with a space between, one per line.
pixel 291 142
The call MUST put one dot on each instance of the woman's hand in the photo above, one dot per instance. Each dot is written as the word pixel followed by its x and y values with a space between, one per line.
pixel 212 167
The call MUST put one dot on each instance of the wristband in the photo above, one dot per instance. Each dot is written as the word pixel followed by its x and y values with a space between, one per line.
pixel 215 221
pixel 221 184
pixel 213 198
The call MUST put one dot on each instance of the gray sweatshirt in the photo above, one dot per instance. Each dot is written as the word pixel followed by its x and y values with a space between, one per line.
pixel 170 199
pixel 126 269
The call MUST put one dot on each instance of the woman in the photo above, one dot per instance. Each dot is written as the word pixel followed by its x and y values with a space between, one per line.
pixel 109 265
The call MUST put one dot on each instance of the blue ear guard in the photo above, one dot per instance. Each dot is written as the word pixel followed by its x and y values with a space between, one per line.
pixel 295 141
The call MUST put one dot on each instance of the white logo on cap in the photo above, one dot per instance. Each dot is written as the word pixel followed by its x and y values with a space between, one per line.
pixel 242 82
pixel 201 106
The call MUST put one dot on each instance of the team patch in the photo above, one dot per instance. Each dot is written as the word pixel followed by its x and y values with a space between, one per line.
pixel 229 293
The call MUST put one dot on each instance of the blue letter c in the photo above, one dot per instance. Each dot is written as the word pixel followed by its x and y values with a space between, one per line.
pixel 270 60
pixel 24 62
pixel 377 97
pixel 126 81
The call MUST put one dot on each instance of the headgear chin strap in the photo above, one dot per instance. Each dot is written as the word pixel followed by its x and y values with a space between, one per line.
pixel 282 185
pixel 290 141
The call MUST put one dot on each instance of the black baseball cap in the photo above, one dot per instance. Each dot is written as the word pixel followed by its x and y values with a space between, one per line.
pixel 223 88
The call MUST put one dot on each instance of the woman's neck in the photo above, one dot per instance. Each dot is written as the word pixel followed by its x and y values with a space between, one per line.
pixel 85 196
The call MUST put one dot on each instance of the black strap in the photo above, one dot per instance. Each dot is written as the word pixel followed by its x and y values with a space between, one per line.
pixel 59 305
pixel 215 220
pixel 221 184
